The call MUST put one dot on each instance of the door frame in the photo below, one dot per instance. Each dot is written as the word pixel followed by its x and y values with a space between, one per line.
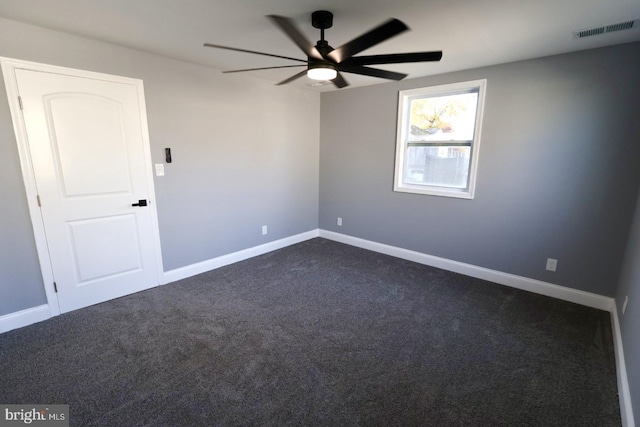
pixel 9 65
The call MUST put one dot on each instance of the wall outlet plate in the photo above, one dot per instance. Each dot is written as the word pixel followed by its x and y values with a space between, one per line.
pixel 552 264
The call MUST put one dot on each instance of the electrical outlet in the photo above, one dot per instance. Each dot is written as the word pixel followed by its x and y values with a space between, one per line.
pixel 624 305
pixel 340 221
pixel 552 264
pixel 264 230
pixel 159 169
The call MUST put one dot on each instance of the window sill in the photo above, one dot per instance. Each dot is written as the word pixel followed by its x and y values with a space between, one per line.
pixel 434 191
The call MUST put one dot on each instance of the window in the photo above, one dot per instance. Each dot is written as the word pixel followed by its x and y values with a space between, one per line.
pixel 439 139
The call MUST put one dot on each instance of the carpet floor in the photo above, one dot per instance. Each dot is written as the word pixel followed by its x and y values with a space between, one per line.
pixel 320 333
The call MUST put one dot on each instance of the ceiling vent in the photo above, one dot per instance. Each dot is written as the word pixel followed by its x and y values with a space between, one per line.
pixel 628 25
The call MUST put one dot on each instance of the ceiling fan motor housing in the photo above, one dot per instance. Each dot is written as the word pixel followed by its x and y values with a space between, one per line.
pixel 320 63
pixel 323 47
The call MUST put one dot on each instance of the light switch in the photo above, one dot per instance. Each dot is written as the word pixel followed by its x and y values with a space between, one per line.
pixel 159 169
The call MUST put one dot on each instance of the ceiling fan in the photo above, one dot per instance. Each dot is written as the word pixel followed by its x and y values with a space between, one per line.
pixel 326 63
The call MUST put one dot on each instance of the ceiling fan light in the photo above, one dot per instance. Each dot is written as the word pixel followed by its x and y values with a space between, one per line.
pixel 322 73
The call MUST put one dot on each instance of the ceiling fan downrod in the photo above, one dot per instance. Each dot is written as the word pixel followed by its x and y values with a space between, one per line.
pixel 322 19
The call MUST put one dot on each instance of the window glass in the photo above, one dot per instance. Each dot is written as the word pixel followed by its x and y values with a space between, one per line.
pixel 443 118
pixel 439 166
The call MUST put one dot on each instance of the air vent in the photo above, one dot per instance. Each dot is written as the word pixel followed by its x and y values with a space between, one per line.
pixel 606 29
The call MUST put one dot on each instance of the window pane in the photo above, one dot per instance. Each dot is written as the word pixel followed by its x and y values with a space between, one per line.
pixel 437 166
pixel 443 118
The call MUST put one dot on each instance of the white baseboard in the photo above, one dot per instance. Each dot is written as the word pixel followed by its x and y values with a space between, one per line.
pixel 626 410
pixel 23 318
pixel 536 286
pixel 221 261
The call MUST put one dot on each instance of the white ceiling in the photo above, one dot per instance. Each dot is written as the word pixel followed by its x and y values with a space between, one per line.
pixel 471 33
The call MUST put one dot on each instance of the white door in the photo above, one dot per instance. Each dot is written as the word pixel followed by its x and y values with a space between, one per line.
pixel 91 165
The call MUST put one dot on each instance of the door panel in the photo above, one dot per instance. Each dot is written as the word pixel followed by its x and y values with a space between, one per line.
pixel 90 164
pixel 91 238
pixel 91 155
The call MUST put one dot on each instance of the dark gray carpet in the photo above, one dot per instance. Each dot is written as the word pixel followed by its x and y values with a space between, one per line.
pixel 321 333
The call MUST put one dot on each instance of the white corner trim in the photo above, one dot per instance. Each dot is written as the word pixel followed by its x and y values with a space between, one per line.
pixel 532 285
pixel 28 177
pixel 626 409
pixel 221 261
pixel 23 318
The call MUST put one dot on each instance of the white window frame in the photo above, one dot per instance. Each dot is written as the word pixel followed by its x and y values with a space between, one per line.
pixel 404 116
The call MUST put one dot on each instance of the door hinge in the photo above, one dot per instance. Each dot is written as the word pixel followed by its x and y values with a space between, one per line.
pixel 38 197
pixel 20 102
pixel 55 287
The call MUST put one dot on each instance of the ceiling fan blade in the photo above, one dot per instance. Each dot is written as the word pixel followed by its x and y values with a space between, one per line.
pixel 262 68
pixel 368 39
pixel 395 58
pixel 292 78
pixel 373 72
pixel 340 82
pixel 217 46
pixel 294 34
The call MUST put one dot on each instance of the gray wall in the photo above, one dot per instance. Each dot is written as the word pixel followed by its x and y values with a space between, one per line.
pixel 630 321
pixel 245 155
pixel 557 176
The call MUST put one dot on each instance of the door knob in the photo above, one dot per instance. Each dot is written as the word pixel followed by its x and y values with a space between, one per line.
pixel 140 203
